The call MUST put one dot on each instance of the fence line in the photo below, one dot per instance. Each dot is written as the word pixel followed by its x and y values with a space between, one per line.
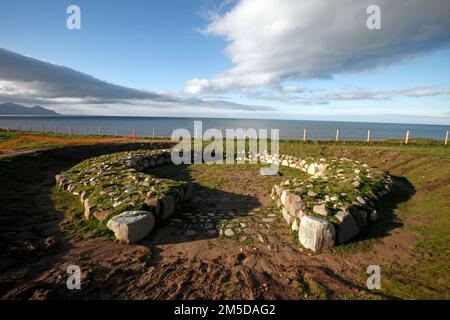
pixel 116 130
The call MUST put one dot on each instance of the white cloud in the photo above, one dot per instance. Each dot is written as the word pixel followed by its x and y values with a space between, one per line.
pixel 303 96
pixel 385 94
pixel 271 41
pixel 32 81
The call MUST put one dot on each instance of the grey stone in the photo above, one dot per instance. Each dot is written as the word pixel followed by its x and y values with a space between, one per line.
pixel 287 217
pixel 361 200
pixel 313 169
pixel 58 178
pixel 191 233
pixel 132 226
pixel 356 184
pixel 83 196
pixel 294 205
pixel 269 172
pixel 347 228
pixel 316 234
pixel 167 206
pixel 321 209
pixel 284 194
pixel 229 232
pixel 373 216
pixel 295 225
pixel 87 209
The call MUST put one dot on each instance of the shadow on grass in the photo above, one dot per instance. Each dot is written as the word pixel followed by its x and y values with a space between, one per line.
pixel 387 219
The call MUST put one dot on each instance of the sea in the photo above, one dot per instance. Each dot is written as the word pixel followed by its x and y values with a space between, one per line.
pixel 164 126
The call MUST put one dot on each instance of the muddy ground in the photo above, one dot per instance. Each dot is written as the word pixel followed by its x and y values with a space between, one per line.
pixel 264 262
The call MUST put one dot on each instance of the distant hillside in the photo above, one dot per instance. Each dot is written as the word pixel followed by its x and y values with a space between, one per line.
pixel 18 110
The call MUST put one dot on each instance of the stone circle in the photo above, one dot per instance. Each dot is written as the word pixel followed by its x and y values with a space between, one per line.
pixel 326 206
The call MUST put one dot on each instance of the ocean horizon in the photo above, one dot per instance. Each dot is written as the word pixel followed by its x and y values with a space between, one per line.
pixel 163 126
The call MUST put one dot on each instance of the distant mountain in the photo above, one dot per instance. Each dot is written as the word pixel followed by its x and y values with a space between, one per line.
pixel 13 109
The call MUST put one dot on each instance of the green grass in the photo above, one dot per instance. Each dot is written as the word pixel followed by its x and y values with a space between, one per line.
pixel 25 144
pixel 74 223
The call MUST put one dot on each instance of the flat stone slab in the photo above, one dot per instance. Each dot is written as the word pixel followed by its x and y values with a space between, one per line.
pixel 269 172
pixel 132 226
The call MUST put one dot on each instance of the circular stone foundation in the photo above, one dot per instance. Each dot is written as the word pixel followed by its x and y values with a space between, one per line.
pixel 325 201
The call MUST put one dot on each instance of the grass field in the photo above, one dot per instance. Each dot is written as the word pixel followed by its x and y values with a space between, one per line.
pixel 14 140
pixel 411 242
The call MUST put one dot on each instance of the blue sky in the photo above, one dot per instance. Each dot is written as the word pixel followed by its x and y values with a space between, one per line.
pixel 165 47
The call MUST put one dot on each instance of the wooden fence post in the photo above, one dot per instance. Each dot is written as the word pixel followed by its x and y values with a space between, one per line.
pixel 337 134
pixel 42 127
pixel 56 129
pixel 29 127
pixel 304 134
pixel 71 131
pixel 153 133
pixel 117 131
pixel 99 131
pixel 368 135
pixel 446 138
pixel 407 137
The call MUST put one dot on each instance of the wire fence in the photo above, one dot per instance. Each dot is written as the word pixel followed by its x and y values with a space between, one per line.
pixel 305 134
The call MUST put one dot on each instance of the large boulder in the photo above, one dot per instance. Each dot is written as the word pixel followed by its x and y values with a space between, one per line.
pixel 316 234
pixel 132 226
pixel 167 206
pixel 347 228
